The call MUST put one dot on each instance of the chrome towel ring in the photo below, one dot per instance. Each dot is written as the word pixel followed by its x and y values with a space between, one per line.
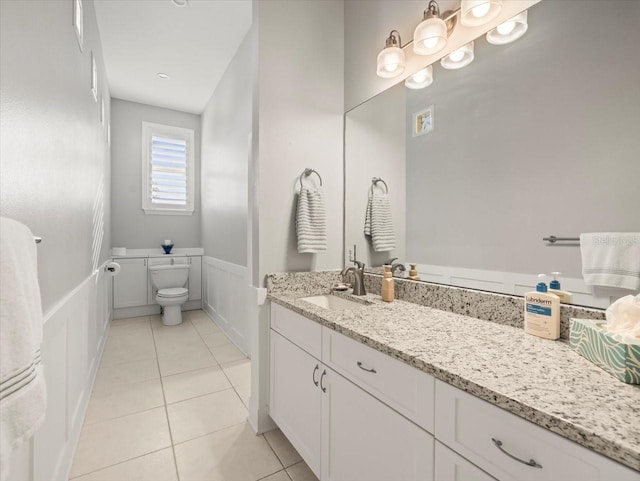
pixel 307 172
pixel 374 182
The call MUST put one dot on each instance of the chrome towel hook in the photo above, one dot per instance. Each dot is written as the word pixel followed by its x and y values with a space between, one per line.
pixel 375 180
pixel 307 172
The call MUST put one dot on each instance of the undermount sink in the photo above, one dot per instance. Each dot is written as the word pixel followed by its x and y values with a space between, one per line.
pixel 332 302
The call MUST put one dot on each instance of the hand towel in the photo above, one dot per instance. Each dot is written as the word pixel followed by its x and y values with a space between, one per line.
pixel 377 222
pixel 311 222
pixel 611 259
pixel 22 387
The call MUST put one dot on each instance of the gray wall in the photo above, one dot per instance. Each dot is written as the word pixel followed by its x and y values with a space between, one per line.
pixel 375 147
pixel 300 115
pixel 54 153
pixel 131 227
pixel 534 138
pixel 226 127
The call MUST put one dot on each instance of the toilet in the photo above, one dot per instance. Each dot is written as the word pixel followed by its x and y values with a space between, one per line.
pixel 170 281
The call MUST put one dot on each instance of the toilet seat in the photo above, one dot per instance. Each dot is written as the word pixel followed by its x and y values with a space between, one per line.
pixel 172 292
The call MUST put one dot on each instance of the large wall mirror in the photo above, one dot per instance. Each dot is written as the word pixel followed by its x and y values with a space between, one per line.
pixel 535 138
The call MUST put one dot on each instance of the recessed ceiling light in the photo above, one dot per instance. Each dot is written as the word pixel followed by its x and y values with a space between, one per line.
pixel 180 3
pixel 163 75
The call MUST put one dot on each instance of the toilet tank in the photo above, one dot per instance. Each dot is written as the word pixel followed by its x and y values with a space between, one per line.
pixel 164 276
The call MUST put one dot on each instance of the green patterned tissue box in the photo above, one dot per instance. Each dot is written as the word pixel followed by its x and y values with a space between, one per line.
pixel 618 355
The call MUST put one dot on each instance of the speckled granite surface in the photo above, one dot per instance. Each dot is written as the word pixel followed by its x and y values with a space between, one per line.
pixel 542 381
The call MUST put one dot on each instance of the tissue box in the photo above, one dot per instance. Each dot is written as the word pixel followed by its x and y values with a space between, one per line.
pixel 618 355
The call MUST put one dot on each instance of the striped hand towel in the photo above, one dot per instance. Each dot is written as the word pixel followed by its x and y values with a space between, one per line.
pixel 311 222
pixel 22 388
pixel 378 224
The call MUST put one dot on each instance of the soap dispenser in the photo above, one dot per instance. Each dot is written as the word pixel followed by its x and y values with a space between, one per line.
pixel 387 284
pixel 554 288
pixel 542 312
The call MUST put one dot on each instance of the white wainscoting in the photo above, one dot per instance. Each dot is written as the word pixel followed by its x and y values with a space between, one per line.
pixel 73 338
pixel 514 283
pixel 225 298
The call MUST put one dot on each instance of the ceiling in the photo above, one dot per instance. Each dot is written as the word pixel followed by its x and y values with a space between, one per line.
pixel 193 45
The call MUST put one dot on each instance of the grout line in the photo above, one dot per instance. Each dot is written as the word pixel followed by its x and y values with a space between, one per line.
pixel 166 411
pixel 274 451
pixel 198 396
pixel 212 432
pixel 119 463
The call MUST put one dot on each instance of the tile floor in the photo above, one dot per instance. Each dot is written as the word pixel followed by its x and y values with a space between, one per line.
pixel 170 404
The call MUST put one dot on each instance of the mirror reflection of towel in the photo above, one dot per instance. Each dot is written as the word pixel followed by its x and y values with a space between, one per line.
pixel 611 259
pixel 378 223
pixel 311 221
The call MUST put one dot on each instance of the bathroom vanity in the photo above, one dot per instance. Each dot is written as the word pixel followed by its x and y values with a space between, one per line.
pixel 133 293
pixel 381 391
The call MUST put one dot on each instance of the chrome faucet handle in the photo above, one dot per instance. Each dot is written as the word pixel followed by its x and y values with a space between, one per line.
pixel 359 265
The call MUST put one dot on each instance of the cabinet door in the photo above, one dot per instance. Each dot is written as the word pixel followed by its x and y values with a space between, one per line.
pixel 195 278
pixel 452 467
pixel 294 400
pixel 365 440
pixel 130 285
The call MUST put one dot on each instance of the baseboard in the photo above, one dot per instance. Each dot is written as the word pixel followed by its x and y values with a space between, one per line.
pixel 150 310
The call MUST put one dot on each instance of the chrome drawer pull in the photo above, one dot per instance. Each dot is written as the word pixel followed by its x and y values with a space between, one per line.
pixel 313 376
pixel 324 373
pixel 531 462
pixel 365 369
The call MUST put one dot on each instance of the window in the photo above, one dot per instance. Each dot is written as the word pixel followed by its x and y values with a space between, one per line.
pixel 167 169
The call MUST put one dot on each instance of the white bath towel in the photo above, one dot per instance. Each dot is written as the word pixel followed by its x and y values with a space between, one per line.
pixel 22 387
pixel 378 223
pixel 311 221
pixel 611 259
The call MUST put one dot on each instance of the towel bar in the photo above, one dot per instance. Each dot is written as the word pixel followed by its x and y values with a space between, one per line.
pixel 553 239
pixel 307 172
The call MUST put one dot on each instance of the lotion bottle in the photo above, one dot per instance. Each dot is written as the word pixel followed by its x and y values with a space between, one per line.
pixel 554 288
pixel 387 284
pixel 542 312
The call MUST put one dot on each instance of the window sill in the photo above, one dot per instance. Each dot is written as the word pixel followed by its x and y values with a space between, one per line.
pixel 167 212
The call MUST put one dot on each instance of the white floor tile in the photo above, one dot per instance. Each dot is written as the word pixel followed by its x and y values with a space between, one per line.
pixel 238 372
pixel 126 327
pixel 244 391
pixel 124 399
pixel 279 476
pixel 286 453
pixel 158 466
pixel 233 454
pixel 205 414
pixel 301 472
pixel 169 345
pixel 109 442
pixel 227 353
pixel 215 339
pixel 129 373
pixel 119 353
pixel 190 384
pixel 185 361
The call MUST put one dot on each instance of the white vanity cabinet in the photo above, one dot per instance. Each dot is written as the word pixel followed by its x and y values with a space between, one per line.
pixel 341 431
pixel 452 467
pixel 130 285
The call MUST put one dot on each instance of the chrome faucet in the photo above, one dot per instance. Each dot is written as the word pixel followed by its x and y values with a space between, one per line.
pixel 358 278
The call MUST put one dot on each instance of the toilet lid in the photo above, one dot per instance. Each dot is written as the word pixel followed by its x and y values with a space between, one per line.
pixel 173 292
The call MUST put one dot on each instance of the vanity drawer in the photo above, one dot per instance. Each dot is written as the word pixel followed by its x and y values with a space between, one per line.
pixel 402 387
pixel 469 426
pixel 301 331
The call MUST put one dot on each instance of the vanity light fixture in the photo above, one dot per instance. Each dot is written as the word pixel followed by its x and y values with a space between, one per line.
pixel 509 31
pixel 459 58
pixel 430 36
pixel 421 79
pixel 163 75
pixel 391 60
pixel 474 13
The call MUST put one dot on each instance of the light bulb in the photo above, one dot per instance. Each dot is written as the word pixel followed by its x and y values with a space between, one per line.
pixel 481 10
pixel 506 28
pixel 431 42
pixel 456 55
pixel 420 76
pixel 390 67
pixel 421 79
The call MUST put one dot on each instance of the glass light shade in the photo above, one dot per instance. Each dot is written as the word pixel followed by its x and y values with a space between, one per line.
pixel 390 62
pixel 509 31
pixel 421 79
pixel 474 13
pixel 430 36
pixel 459 58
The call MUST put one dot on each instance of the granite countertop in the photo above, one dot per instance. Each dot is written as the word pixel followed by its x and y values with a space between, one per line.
pixel 542 381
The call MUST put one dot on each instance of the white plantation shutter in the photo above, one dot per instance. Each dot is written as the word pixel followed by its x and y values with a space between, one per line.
pixel 167 169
